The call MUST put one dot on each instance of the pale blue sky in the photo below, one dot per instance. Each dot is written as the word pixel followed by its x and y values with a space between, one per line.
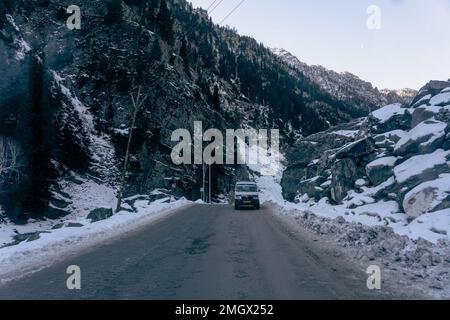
pixel 412 47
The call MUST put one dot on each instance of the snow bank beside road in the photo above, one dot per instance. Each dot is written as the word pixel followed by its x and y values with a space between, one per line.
pixel 369 212
pixel 28 257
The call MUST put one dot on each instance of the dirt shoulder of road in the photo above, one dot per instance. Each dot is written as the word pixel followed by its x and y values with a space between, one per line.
pixel 328 239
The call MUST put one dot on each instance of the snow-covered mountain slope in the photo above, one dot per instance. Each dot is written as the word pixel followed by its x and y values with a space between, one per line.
pixel 391 168
pixel 347 86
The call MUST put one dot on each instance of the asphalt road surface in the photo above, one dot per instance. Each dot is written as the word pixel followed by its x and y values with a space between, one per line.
pixel 203 252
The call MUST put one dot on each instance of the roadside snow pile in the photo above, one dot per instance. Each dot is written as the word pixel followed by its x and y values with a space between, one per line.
pixel 414 265
pixel 394 172
pixel 72 236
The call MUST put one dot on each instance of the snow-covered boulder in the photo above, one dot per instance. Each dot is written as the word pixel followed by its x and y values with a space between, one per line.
pixel 423 100
pixel 441 99
pixel 424 138
pixel 314 154
pixel 380 169
pixel 389 139
pixel 429 196
pixel 430 90
pixel 423 168
pixel 100 214
pixel 427 112
pixel 391 117
pixel 359 148
pixel 386 113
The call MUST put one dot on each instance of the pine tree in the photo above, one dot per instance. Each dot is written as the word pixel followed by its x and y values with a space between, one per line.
pixel 184 54
pixel 156 53
pixel 206 53
pixel 149 16
pixel 40 171
pixel 164 23
pixel 114 11
pixel 215 99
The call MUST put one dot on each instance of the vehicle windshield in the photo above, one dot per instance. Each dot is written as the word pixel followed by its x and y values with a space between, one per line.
pixel 246 188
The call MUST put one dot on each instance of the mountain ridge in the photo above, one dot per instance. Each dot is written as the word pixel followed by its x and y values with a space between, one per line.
pixel 347 86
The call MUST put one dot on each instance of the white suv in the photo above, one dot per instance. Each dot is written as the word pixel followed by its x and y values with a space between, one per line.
pixel 246 194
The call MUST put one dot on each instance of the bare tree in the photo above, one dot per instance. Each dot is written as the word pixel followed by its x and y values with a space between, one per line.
pixel 137 101
pixel 12 160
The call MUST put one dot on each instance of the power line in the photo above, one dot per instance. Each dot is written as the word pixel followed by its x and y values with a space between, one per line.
pixel 223 20
pixel 232 11
pixel 207 9
pixel 195 25
pixel 213 9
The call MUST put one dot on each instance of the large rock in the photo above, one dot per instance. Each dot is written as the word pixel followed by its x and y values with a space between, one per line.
pixel 421 114
pixel 391 117
pixel 388 140
pixel 32 236
pixel 422 168
pixel 345 173
pixel 100 214
pixel 292 177
pixel 312 188
pixel 424 138
pixel 357 149
pixel 431 88
pixel 446 144
pixel 381 169
pixel 53 212
pixel 427 197
pixel 418 203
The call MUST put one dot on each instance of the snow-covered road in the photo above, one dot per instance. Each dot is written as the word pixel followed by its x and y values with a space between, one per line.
pixel 205 252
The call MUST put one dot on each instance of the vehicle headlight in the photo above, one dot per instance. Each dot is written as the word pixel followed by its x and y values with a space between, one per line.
pixel 238 197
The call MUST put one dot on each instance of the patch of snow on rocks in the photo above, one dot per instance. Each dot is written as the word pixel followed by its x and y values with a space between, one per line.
pixel 440 99
pixel 387 112
pixel 419 164
pixel 432 129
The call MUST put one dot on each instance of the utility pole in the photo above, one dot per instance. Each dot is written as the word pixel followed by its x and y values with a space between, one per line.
pixel 209 184
pixel 203 182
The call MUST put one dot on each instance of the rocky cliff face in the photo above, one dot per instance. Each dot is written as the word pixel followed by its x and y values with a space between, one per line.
pixel 398 155
pixel 346 86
